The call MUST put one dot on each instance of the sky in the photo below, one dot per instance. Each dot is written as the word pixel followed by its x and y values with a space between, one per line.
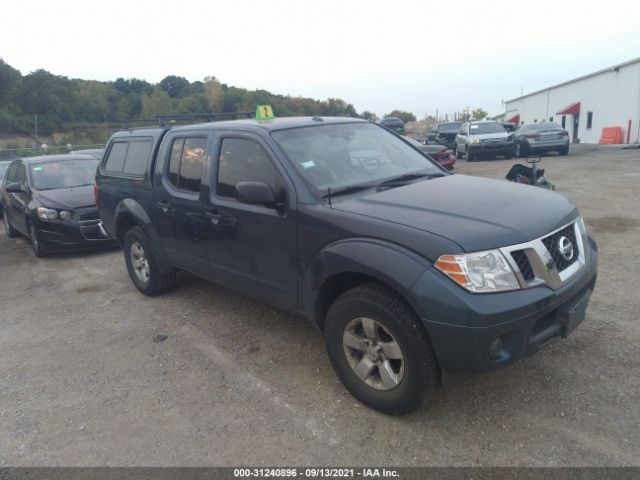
pixel 417 56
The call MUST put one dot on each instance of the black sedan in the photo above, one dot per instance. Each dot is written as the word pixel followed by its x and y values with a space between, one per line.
pixel 50 200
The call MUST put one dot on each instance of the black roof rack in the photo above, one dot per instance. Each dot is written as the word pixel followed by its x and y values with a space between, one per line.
pixel 166 120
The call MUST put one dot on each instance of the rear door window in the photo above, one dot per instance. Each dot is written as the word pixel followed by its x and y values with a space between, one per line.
pixel 186 163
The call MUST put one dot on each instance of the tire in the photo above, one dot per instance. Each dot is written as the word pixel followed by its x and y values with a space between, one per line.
pixel 9 230
pixel 521 151
pixel 469 156
pixel 412 363
pixel 145 274
pixel 563 152
pixel 458 154
pixel 36 241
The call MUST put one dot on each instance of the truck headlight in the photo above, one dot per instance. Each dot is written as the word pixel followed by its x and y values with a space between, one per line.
pixel 474 141
pixel 47 213
pixel 479 272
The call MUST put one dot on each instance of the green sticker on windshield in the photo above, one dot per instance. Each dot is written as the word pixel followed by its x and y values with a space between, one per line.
pixel 37 169
pixel 308 164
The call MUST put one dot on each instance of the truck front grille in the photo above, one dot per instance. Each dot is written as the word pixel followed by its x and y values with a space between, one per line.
pixel 551 242
pixel 523 264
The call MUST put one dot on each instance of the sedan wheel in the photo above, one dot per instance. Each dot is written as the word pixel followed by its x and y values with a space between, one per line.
pixel 373 353
pixel 36 243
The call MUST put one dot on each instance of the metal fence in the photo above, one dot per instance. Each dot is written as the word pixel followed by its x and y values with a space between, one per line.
pixel 8 153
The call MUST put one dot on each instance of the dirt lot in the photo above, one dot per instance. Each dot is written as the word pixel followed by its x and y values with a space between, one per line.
pixel 82 381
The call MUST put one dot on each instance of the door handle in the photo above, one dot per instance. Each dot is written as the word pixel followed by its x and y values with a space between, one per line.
pixel 163 205
pixel 220 219
pixel 214 216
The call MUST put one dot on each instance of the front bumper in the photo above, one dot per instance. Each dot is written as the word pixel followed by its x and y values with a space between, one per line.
pixel 464 327
pixel 67 236
pixel 496 148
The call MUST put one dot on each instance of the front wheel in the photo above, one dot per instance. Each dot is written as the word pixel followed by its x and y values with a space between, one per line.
pixel 520 151
pixel 380 350
pixel 36 241
pixel 142 265
pixel 9 230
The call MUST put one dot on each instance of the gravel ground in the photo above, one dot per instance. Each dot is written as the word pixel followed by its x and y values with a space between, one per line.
pixel 82 381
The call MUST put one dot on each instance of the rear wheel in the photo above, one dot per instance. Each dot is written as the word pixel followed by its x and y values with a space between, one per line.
pixel 9 230
pixel 142 265
pixel 564 152
pixel 521 151
pixel 380 350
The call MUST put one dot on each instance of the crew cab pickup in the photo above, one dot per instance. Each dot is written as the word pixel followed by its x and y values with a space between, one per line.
pixel 410 272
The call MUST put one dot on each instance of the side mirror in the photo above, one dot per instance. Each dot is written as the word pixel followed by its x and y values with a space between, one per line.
pixel 257 193
pixel 14 188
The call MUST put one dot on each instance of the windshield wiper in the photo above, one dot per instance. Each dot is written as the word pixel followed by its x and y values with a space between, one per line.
pixel 402 179
pixel 345 190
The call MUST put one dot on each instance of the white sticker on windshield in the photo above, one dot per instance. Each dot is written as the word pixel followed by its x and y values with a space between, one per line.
pixel 474 127
pixel 308 164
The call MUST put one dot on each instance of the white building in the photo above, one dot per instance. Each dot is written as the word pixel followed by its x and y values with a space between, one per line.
pixel 586 105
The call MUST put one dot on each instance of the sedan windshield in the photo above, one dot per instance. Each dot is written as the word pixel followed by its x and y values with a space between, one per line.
pixel 337 156
pixel 63 174
pixel 485 127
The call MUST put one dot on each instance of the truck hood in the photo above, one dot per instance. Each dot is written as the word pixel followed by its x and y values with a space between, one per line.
pixel 66 198
pixel 476 213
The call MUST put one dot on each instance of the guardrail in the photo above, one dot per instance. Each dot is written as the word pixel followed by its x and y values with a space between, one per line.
pixel 7 153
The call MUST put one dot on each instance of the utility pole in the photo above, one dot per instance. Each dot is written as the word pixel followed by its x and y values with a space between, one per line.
pixel 35 121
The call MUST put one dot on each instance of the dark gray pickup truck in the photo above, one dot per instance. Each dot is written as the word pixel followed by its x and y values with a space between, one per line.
pixel 411 273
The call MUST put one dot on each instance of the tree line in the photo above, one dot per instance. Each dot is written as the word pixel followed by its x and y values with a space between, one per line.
pixel 61 103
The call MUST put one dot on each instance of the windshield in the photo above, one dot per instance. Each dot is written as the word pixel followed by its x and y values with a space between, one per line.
pixel 449 127
pixel 63 174
pixel 485 127
pixel 336 156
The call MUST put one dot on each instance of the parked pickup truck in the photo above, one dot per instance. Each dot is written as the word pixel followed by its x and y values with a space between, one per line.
pixel 411 273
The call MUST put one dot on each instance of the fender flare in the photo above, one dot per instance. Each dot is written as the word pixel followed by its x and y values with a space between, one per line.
pixel 131 210
pixel 388 263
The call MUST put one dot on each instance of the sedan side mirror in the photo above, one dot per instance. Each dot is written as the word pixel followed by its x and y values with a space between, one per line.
pixel 15 188
pixel 257 193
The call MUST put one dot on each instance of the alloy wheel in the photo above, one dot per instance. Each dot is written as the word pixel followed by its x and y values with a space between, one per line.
pixel 139 262
pixel 373 353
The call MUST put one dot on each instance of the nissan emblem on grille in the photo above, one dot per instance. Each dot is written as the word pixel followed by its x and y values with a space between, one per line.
pixel 565 247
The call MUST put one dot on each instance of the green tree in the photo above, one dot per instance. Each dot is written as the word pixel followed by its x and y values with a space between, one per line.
pixel 214 94
pixel 479 114
pixel 9 83
pixel 157 103
pixel 175 86
pixel 367 115
pixel 402 115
